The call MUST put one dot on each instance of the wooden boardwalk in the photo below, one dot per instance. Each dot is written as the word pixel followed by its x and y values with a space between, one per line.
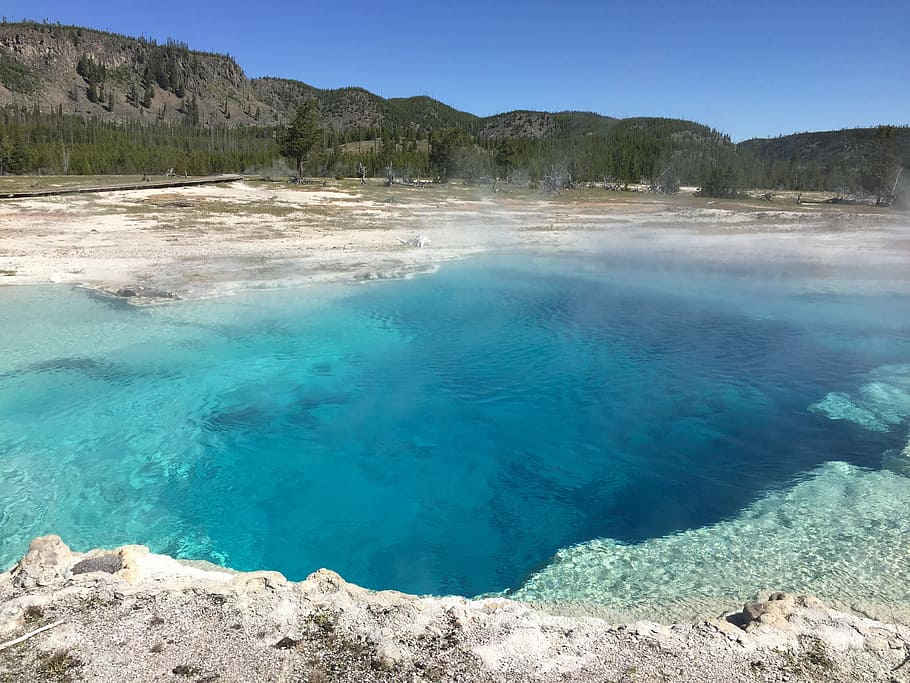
pixel 142 185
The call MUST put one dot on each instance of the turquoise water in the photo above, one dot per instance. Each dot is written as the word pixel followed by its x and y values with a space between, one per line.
pixel 468 432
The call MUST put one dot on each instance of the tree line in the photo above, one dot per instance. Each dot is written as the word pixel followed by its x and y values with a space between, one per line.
pixel 35 142
pixel 665 153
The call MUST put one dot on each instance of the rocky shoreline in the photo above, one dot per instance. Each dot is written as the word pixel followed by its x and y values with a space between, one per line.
pixel 127 614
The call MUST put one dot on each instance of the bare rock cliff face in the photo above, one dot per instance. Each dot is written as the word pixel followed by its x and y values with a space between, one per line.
pixel 38 67
pixel 127 614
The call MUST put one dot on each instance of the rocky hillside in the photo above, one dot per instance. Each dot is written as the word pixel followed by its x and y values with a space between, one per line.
pixel 86 72
pixel 90 73
pixel 837 146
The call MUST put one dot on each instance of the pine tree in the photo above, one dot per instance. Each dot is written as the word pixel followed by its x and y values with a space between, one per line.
pixel 303 135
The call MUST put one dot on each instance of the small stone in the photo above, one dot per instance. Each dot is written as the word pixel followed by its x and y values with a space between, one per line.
pixel 45 562
pixel 107 563
pixel 460 616
pixel 388 656
pixel 876 643
pixel 286 643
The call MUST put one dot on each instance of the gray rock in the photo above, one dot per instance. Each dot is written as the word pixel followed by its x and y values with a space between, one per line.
pixel 107 563
pixel 46 562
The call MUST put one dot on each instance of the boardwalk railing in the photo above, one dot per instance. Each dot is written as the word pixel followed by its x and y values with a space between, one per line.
pixel 141 185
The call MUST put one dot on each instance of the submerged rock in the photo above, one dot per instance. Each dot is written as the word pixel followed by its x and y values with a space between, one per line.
pixel 141 294
pixel 898 461
pixel 878 405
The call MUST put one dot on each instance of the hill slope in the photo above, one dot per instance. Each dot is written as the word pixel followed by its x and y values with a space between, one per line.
pixel 90 73
pixel 848 146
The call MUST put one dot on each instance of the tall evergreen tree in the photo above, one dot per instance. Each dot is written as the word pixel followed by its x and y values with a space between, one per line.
pixel 446 148
pixel 302 135
pixel 148 95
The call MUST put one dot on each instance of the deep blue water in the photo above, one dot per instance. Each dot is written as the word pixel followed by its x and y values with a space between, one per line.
pixel 445 434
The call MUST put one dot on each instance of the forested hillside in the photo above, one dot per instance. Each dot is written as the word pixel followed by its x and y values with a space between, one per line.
pixel 76 100
pixel 858 159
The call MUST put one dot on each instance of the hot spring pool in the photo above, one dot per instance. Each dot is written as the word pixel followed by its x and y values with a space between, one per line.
pixel 561 429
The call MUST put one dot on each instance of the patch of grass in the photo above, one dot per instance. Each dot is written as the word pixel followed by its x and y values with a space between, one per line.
pixel 32 614
pixel 58 666
pixel 7 272
pixel 264 208
pixel 323 620
pixel 816 656
pixel 812 659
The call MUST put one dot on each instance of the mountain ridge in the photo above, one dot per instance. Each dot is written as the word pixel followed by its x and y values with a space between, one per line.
pixel 108 79
pixel 39 64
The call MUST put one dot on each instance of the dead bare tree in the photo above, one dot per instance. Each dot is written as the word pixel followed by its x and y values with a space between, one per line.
pixel 665 183
pixel 550 184
pixel 892 196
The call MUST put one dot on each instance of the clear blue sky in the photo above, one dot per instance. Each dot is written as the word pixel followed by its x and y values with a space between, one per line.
pixel 756 68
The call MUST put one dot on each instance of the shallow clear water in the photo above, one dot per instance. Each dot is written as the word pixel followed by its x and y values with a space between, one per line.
pixel 456 433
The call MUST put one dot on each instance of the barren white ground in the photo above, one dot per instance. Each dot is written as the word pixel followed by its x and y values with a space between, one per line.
pixel 206 240
pixel 129 615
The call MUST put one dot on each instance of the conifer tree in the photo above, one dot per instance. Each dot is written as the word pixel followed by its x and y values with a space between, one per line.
pixel 303 135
